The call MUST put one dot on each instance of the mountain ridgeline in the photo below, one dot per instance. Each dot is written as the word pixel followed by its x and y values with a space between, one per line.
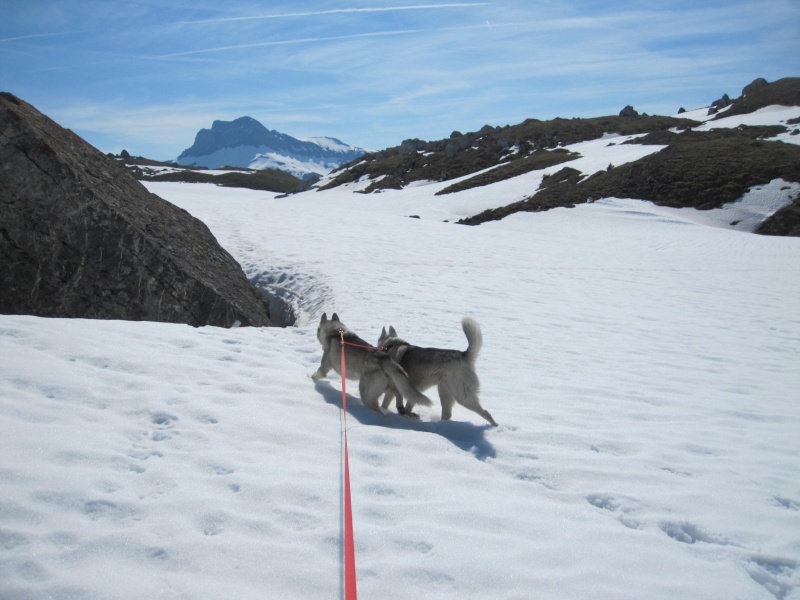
pixel 703 169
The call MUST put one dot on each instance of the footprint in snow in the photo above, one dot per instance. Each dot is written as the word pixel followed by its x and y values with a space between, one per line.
pixel 689 533
pixel 620 508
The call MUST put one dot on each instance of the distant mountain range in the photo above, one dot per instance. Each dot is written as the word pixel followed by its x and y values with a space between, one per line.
pixel 246 143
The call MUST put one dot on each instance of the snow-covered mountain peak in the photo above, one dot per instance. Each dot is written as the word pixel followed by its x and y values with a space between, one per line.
pixel 245 142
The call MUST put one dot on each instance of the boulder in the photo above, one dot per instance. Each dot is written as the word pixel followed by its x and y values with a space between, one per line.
pixel 628 111
pixel 81 237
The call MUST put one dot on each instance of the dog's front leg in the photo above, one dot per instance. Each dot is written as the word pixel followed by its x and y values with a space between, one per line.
pixel 401 410
pixel 324 367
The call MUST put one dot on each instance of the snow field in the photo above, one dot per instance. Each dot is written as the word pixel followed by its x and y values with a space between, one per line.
pixel 640 363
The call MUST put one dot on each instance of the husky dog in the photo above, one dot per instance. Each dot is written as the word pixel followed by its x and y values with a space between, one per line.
pixel 453 371
pixel 374 369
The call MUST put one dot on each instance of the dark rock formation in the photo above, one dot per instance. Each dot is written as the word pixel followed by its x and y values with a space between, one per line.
pixel 784 222
pixel 80 237
pixel 756 84
pixel 628 111
pixel 717 105
pixel 784 92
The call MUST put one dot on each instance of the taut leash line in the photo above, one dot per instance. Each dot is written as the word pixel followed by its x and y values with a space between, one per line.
pixel 350 592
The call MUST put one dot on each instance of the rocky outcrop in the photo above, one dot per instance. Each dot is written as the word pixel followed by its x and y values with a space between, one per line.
pixel 785 222
pixel 756 84
pixel 81 237
pixel 718 105
pixel 783 92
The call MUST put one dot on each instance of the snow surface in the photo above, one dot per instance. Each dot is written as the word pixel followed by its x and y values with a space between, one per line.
pixel 641 364
pixel 331 144
pixel 769 115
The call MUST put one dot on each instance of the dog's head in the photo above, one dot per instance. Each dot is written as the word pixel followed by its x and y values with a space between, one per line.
pixel 385 335
pixel 328 327
pixel 394 345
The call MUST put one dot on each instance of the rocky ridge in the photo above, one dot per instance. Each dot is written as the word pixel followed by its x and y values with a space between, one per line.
pixel 702 169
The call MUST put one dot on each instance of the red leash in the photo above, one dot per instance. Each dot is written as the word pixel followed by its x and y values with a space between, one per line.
pixel 349 543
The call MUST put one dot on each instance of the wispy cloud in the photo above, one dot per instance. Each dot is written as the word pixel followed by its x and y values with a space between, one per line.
pixel 40 35
pixel 335 11
pixel 294 41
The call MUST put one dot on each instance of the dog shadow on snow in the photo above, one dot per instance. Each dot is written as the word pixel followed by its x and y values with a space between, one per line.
pixel 466 436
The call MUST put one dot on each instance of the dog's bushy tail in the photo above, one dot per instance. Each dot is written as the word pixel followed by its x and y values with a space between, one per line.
pixel 474 339
pixel 403 384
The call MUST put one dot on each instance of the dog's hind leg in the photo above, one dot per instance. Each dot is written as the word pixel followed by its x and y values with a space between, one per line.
pixel 398 397
pixel 471 402
pixel 467 397
pixel 370 388
pixel 447 399
pixel 387 399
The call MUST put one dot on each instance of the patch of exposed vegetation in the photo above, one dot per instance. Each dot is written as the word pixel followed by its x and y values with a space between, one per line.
pixel 541 159
pixel 703 170
pixel 270 180
pixel 463 154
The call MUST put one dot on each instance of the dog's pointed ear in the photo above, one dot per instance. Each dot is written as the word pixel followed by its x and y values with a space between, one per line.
pixel 324 317
pixel 334 317
pixel 383 332
pixel 392 332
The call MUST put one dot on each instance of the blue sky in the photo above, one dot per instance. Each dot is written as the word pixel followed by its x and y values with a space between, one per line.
pixel 147 75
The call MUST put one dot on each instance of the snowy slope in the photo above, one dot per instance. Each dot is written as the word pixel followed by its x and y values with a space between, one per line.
pixel 641 365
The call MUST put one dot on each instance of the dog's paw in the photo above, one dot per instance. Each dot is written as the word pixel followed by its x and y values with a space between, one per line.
pixel 409 415
pixel 316 376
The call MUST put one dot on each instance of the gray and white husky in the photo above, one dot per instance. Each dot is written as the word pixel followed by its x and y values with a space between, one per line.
pixel 453 371
pixel 374 369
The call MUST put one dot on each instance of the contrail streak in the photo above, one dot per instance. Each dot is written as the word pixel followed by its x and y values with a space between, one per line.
pixel 297 41
pixel 340 11
pixel 319 39
pixel 38 35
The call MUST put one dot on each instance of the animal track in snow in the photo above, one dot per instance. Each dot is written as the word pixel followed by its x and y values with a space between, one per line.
pixel 415 545
pixel 786 503
pixel 206 419
pixel 103 509
pixel 620 508
pixel 676 472
pixel 212 524
pixel 163 420
pixel 11 539
pixel 777 575
pixel 215 469
pixel 689 533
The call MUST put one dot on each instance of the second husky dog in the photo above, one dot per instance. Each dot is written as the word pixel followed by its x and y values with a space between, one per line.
pixel 374 369
pixel 453 371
